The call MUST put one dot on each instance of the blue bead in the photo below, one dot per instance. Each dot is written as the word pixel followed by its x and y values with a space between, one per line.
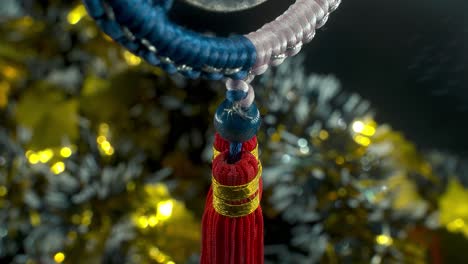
pixel 236 124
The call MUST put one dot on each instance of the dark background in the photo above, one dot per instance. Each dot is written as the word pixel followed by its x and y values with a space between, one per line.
pixel 407 57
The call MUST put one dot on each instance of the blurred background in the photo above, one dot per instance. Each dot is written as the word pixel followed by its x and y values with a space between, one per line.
pixel 105 159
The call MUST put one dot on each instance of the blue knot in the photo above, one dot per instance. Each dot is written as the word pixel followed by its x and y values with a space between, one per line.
pixel 236 124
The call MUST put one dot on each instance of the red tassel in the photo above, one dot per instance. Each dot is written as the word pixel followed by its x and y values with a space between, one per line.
pixel 228 239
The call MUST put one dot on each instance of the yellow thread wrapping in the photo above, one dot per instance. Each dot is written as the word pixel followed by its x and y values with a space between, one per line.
pixel 238 192
pixel 235 210
pixel 215 153
pixel 224 195
pixel 255 152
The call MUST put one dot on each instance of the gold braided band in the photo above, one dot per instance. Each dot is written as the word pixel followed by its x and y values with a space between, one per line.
pixel 235 210
pixel 237 192
pixel 225 195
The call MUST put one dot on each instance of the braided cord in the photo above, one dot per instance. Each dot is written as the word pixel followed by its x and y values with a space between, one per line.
pixel 142 26
pixel 282 38
pixel 285 36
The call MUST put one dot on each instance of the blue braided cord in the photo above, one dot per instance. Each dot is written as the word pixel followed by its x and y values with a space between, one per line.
pixel 235 149
pixel 95 8
pixel 169 68
pixel 174 52
pixel 212 53
pixel 143 30
pixel 241 75
pixel 166 4
pixel 222 54
pixel 210 57
pixel 149 56
pixel 111 28
pixel 194 46
pixel 234 56
pixel 130 45
pixel 204 59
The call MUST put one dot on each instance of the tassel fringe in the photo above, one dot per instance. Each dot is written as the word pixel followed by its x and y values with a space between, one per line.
pixel 231 235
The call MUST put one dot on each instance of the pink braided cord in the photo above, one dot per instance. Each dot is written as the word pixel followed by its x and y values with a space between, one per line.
pixel 284 38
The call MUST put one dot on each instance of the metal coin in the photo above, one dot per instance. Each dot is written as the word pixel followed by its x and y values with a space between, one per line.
pixel 225 5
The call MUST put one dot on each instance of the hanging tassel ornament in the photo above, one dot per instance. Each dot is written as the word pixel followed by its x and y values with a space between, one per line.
pixel 232 222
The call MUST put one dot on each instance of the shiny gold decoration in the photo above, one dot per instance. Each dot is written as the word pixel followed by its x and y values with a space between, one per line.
pixel 3 191
pixel 66 152
pixel 366 127
pixel 454 208
pixel 235 210
pixel 45 155
pixel 34 218
pixel 104 144
pixel 131 186
pixel 84 218
pixel 165 227
pixel 50 156
pixel 224 195
pixel 358 126
pixel 4 93
pixel 76 14
pixel 33 158
pixel 131 59
pixel 58 167
pixel 363 131
pixel 239 192
pixel 158 256
pixel 164 210
pixel 47 107
pixel 362 140
pixel 215 152
pixel 323 135
pixel 59 257
pixel 10 73
pixel 50 115
pixel 406 196
pixel 340 160
pixel 160 209
pixel 384 240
